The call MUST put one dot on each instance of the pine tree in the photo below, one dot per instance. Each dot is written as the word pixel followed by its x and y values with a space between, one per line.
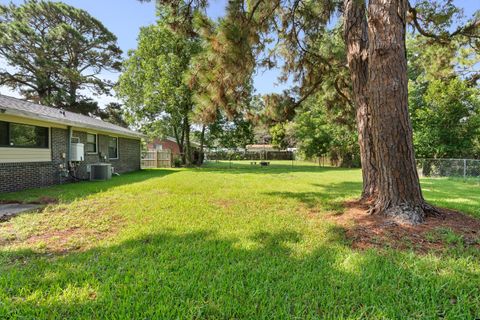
pixel 54 51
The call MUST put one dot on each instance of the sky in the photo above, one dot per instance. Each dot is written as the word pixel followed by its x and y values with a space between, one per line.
pixel 125 18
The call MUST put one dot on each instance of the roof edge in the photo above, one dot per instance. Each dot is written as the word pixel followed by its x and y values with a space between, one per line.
pixel 35 116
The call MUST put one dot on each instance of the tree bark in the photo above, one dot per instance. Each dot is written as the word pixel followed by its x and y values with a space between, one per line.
pixel 399 194
pixel 180 141
pixel 188 149
pixel 202 143
pixel 356 42
pixel 72 97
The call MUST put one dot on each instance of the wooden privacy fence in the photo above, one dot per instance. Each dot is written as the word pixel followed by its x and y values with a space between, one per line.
pixel 157 159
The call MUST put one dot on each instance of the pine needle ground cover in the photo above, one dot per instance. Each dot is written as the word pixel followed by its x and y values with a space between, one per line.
pixel 226 242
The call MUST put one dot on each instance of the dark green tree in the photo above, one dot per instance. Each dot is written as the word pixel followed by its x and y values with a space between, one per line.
pixel 225 133
pixel 323 127
pixel 446 119
pixel 113 113
pixel 152 84
pixel 55 53
pixel 443 97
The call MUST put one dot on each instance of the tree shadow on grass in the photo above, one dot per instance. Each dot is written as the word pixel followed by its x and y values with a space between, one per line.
pixel 200 275
pixel 243 168
pixel 71 191
pixel 331 198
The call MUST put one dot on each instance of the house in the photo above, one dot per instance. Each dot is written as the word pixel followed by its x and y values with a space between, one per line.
pixel 259 148
pixel 41 146
pixel 168 143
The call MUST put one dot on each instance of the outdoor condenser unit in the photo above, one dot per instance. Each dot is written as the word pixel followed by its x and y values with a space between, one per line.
pixel 100 171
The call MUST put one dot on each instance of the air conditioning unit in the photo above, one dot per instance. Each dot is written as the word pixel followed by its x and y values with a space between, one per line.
pixel 100 171
pixel 77 152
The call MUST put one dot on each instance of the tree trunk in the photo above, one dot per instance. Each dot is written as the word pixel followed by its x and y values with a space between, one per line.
pixel 188 149
pixel 42 96
pixel 72 97
pixel 356 41
pixel 180 142
pixel 399 194
pixel 202 142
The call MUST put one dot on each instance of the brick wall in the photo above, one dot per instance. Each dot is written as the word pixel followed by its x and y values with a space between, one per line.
pixel 25 175
pixel 18 176
pixel 128 154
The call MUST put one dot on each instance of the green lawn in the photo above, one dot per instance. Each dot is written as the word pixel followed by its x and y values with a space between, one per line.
pixel 225 241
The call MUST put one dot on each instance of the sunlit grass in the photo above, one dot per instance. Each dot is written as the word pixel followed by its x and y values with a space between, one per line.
pixel 457 194
pixel 224 242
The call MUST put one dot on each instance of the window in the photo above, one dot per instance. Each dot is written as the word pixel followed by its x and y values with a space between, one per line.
pixel 113 148
pixel 18 135
pixel 91 146
pixel 4 134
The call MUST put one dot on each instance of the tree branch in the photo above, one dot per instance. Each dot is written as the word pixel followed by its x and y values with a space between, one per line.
pixel 466 30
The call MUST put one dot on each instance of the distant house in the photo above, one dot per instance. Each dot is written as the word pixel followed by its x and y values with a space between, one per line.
pixel 41 146
pixel 259 147
pixel 168 143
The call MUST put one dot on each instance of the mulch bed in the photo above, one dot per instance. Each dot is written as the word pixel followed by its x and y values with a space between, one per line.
pixel 448 229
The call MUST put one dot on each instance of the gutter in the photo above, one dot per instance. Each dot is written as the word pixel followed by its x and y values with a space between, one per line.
pixel 69 143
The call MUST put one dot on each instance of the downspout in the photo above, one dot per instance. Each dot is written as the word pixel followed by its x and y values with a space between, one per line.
pixel 69 144
pixel 69 150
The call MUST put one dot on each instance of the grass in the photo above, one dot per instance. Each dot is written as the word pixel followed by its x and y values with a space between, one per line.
pixel 221 242
pixel 454 193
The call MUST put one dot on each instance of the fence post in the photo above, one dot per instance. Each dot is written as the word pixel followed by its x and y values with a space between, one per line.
pixel 464 169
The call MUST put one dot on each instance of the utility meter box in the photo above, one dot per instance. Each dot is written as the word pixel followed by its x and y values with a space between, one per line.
pixel 77 152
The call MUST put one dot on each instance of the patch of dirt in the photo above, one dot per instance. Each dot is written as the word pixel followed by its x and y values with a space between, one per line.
pixel 61 241
pixel 61 236
pixel 225 204
pixel 9 201
pixel 7 234
pixel 41 200
pixel 71 239
pixel 450 228
pixel 45 200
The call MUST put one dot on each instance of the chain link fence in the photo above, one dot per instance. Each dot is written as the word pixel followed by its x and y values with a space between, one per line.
pixel 429 168
pixel 250 155
pixel 272 159
pixel 463 168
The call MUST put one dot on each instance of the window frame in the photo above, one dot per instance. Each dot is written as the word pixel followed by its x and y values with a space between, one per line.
pixel 48 137
pixel 108 148
pixel 96 143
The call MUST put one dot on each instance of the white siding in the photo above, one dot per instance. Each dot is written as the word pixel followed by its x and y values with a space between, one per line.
pixel 9 155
